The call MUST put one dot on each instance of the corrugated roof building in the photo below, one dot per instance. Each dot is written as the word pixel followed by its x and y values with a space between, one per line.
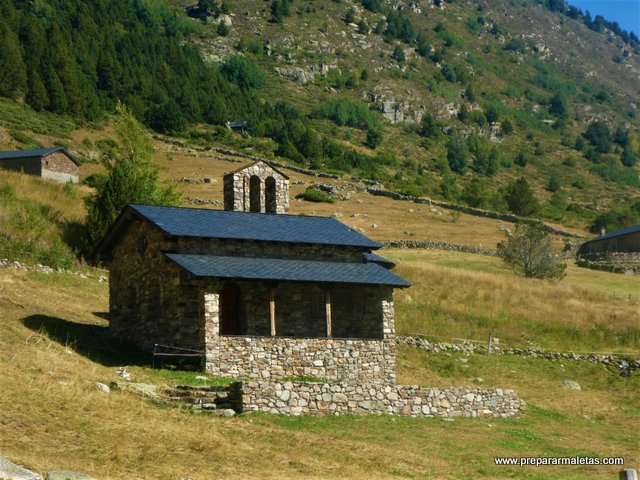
pixel 260 295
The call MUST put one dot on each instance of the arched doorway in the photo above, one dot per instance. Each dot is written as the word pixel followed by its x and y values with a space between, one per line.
pixel 254 194
pixel 230 310
pixel 270 195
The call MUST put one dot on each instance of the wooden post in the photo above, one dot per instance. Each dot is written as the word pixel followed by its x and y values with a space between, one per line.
pixel 489 343
pixel 272 310
pixel 327 307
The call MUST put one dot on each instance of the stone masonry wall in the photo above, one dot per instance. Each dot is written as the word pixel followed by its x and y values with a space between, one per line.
pixel 59 167
pixel 304 398
pixel 334 359
pixel 152 300
pixel 248 248
pixel 237 189
pixel 259 358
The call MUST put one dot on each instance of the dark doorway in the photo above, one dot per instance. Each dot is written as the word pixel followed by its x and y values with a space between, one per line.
pixel 254 194
pixel 270 195
pixel 230 310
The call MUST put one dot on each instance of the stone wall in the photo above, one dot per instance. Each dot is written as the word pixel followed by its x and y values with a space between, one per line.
pixel 59 167
pixel 332 359
pixel 269 194
pixel 478 212
pixel 429 244
pixel 152 300
pixel 614 258
pixel 304 398
pixel 249 248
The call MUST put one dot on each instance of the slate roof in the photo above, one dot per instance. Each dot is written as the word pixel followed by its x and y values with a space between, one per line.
pixel 373 258
pixel 268 164
pixel 205 223
pixel 38 152
pixel 616 233
pixel 286 270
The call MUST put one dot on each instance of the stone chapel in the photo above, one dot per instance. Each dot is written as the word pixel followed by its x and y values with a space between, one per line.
pixel 260 293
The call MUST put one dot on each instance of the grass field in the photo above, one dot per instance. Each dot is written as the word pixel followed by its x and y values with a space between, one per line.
pixel 52 416
pixel 470 296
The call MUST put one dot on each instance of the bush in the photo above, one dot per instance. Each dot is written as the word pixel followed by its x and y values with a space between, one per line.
pixel 530 253
pixel 25 139
pixel 312 194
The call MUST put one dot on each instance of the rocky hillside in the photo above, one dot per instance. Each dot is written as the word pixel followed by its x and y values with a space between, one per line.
pixel 532 92
pixel 473 102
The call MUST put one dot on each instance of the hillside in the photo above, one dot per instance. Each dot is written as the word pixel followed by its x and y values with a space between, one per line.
pixel 53 416
pixel 451 102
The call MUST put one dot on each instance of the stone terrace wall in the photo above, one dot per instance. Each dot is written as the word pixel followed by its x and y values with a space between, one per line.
pixel 298 398
pixel 351 360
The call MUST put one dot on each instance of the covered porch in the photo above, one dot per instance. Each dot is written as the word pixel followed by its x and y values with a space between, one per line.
pixel 275 318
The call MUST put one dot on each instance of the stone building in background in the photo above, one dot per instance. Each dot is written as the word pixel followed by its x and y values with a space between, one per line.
pixel 53 163
pixel 261 296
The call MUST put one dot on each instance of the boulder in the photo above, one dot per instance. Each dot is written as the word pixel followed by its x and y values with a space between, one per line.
pixel 571 385
pixel 11 471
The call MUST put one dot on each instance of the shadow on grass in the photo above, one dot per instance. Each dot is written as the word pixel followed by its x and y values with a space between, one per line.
pixel 91 341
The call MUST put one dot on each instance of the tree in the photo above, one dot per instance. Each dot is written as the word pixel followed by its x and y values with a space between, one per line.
pixel 276 11
pixel 628 157
pixel 457 153
pixel 243 72
pixel 131 177
pixel 558 106
pixel 398 54
pixel 13 72
pixel 520 198
pixel 599 136
pixel 428 127
pixel 530 253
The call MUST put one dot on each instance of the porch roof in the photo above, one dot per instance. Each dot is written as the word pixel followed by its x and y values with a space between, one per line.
pixel 251 268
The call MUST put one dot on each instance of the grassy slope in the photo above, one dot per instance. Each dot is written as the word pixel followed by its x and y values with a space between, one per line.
pixel 469 296
pixel 53 417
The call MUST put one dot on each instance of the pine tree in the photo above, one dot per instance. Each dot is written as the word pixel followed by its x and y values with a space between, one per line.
pixel 13 72
pixel 520 198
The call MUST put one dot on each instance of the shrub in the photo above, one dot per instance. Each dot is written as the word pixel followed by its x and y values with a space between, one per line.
pixel 312 194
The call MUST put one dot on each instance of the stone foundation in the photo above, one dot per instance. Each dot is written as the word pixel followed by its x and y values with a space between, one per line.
pixel 350 360
pixel 300 398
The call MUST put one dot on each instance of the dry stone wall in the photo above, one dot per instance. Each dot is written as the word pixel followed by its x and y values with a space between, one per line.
pixel 260 358
pixel 305 398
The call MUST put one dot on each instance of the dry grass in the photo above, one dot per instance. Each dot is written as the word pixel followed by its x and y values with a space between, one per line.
pixel 464 295
pixel 53 417
pixel 377 217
